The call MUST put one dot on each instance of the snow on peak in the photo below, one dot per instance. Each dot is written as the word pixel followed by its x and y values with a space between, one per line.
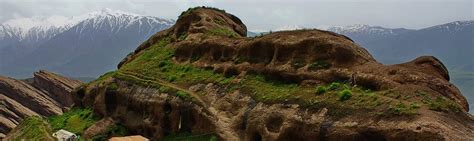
pixel 108 12
pixel 452 26
pixel 26 24
pixel 353 28
pixel 289 27
pixel 24 27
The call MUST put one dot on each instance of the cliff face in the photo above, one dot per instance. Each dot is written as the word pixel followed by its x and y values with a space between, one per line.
pixel 45 95
pixel 204 76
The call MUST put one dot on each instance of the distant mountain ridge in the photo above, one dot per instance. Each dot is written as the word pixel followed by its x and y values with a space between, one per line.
pixel 61 44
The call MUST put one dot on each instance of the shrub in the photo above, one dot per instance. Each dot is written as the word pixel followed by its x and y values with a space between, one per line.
pixel 321 90
pixel 443 104
pixel 112 87
pixel 334 85
pixel 182 94
pixel 345 94
pixel 171 78
pixel 164 89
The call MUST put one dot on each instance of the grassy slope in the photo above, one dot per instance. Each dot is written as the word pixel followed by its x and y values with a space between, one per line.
pixel 75 121
pixel 37 128
pixel 155 63
pixel 32 128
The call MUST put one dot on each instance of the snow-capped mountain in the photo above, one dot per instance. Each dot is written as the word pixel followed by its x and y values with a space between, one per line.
pixel 364 29
pixel 289 27
pixel 68 44
pixel 453 27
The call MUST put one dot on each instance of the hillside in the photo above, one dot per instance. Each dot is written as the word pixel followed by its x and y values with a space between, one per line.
pixel 205 77
pixel 452 43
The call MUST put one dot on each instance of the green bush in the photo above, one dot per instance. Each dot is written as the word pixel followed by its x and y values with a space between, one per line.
pixel 321 90
pixel 112 87
pixel 443 104
pixel 334 86
pixel 345 94
pixel 182 95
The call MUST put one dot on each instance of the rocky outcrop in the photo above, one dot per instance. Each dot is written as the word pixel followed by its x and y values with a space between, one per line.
pixel 45 95
pixel 303 59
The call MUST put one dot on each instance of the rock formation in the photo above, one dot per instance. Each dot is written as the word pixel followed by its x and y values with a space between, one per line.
pixel 45 94
pixel 204 76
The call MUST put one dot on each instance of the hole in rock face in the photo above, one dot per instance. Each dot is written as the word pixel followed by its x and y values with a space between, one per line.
pixel 274 123
pixel 187 119
pixel 167 108
pixel 368 84
pixel 292 135
pixel 110 101
pixel 256 137
pixel 81 93
pixel 282 78
pixel 373 136
pixel 231 71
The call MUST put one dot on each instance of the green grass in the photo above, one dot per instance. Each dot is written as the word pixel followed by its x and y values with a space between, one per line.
pixel 183 95
pixel 334 86
pixel 191 137
pixel 222 32
pixel 156 63
pixel 102 78
pixel 321 90
pixel 32 128
pixel 443 104
pixel 345 94
pixel 403 109
pixel 76 120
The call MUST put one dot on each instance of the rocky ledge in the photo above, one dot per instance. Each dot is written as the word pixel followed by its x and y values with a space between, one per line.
pixel 203 76
pixel 45 94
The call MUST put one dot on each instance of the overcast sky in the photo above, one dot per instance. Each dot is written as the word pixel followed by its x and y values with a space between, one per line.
pixel 267 14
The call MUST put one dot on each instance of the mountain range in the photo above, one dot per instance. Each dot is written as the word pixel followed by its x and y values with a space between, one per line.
pixel 73 45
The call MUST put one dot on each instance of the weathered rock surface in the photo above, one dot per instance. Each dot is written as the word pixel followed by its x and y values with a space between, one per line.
pixel 44 95
pixel 284 56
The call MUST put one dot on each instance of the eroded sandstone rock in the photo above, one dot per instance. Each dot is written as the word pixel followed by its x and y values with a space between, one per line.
pixel 48 94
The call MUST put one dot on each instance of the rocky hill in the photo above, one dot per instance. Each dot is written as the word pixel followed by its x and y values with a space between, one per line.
pixel 204 76
pixel 45 94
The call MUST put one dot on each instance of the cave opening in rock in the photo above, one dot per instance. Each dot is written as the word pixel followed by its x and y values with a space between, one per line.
pixel 274 123
pixel 256 137
pixel 187 120
pixel 110 101
pixel 373 136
